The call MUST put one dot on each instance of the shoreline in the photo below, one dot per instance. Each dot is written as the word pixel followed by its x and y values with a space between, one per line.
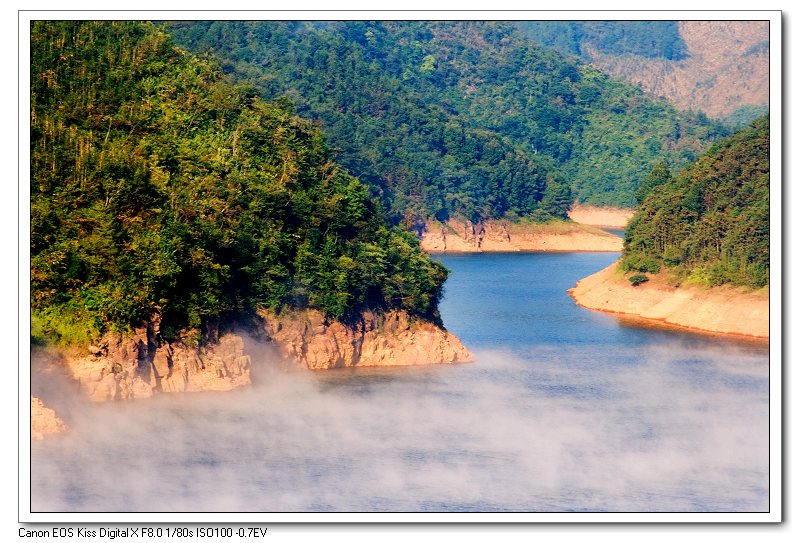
pixel 462 237
pixel 637 321
pixel 140 365
pixel 724 311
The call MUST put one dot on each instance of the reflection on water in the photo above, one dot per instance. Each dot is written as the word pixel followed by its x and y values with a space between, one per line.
pixel 563 410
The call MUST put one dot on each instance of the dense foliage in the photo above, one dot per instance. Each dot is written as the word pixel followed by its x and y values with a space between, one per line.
pixel 652 39
pixel 466 118
pixel 158 187
pixel 710 222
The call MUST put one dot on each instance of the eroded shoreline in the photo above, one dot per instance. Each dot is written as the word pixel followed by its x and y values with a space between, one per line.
pixel 719 310
pixel 506 237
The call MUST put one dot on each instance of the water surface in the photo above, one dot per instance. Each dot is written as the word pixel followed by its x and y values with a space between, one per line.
pixel 564 409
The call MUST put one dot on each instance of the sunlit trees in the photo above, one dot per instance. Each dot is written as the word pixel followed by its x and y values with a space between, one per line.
pixel 159 187
pixel 459 118
pixel 709 222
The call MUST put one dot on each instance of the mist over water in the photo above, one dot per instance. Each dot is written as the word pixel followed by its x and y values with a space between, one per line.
pixel 564 409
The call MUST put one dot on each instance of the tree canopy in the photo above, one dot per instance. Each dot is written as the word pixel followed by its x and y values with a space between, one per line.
pixel 157 186
pixel 710 222
pixel 459 118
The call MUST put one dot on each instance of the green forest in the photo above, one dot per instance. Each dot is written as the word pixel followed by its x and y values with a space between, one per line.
pixel 469 119
pixel 158 187
pixel 652 39
pixel 709 223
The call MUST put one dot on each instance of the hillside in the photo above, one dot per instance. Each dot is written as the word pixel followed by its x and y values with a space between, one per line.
pixel 649 39
pixel 718 67
pixel 159 189
pixel 709 224
pixel 455 119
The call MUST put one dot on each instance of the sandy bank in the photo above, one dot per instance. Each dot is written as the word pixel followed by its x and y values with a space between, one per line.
pixel 724 310
pixel 499 236
pixel 613 217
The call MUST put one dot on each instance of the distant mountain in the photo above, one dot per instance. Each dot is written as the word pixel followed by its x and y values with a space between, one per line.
pixel 716 67
pixel 466 119
pixel 709 224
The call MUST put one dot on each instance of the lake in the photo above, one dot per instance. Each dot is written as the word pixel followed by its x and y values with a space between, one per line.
pixel 564 409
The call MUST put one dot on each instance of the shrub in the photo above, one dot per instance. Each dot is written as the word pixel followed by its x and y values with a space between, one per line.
pixel 638 279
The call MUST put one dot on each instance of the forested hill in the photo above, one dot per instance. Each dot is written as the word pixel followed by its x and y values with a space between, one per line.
pixel 157 187
pixel 650 39
pixel 709 224
pixel 459 118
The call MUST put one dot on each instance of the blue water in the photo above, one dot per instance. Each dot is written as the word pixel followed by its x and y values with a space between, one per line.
pixel 563 409
pixel 501 300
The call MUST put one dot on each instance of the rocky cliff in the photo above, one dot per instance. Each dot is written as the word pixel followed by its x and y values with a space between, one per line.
pixel 44 421
pixel 138 365
pixel 499 236
pixel 724 310
pixel 386 339
pixel 141 364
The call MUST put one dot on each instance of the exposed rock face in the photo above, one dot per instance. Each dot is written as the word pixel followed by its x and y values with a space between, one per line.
pixel 388 339
pixel 44 421
pixel 727 67
pixel 495 236
pixel 724 310
pixel 125 367
pixel 139 365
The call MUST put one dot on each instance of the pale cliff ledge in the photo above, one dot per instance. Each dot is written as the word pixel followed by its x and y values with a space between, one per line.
pixel 44 421
pixel 142 364
pixel 139 365
pixel 392 338
pixel 722 310
pixel 499 236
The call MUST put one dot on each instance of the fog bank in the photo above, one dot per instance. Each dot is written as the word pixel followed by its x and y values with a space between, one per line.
pixel 648 428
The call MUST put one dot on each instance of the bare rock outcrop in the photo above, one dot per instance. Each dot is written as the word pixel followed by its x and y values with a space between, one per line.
pixel 385 339
pixel 141 364
pixel 138 365
pixel 44 421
